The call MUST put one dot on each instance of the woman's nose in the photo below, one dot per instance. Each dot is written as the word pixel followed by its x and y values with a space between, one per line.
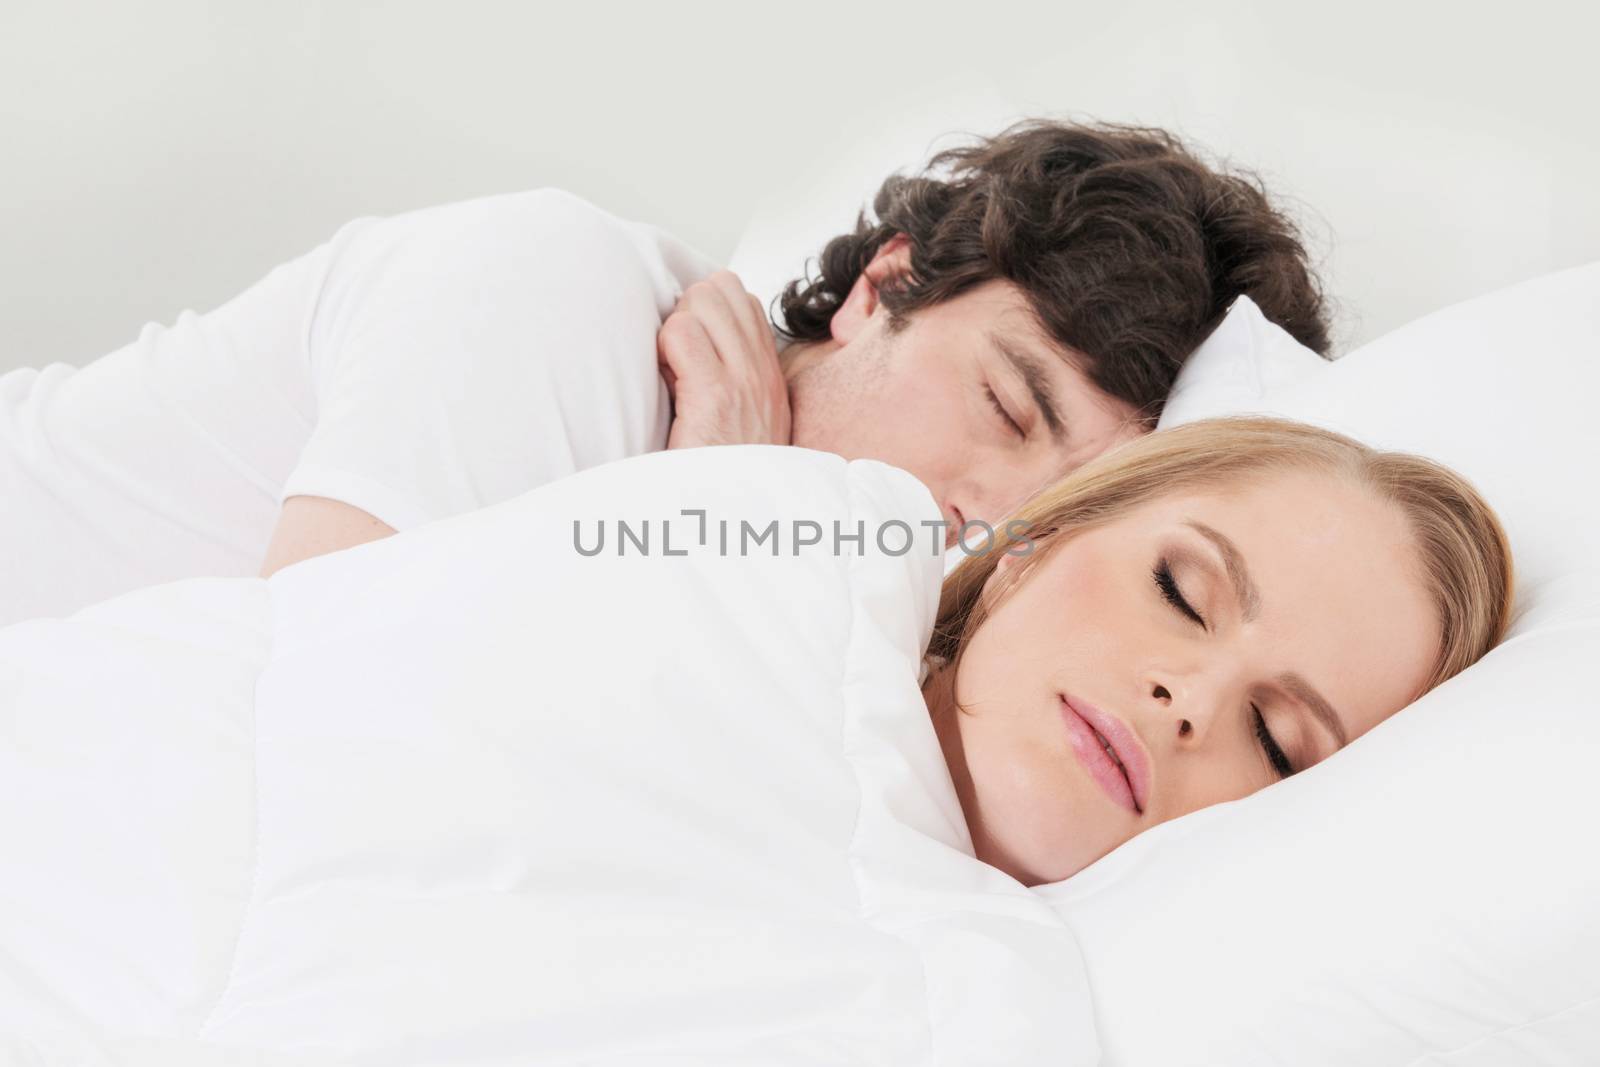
pixel 1163 697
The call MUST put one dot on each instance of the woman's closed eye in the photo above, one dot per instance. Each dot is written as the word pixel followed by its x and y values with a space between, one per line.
pixel 1269 744
pixel 1173 595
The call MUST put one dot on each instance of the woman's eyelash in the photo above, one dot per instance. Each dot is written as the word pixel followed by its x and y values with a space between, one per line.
pixel 1169 589
pixel 1275 756
pixel 1004 414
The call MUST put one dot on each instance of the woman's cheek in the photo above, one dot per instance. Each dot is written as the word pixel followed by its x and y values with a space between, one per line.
pixel 1025 776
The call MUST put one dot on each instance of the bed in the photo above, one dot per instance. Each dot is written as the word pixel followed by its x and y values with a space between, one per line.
pixel 224 846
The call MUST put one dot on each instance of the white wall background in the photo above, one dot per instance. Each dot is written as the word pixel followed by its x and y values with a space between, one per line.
pixel 164 155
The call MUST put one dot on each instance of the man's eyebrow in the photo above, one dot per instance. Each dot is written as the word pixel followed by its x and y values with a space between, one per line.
pixel 1312 699
pixel 1238 573
pixel 1250 605
pixel 1035 378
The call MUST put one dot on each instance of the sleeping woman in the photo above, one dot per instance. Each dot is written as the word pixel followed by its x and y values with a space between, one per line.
pixel 460 789
pixel 1205 612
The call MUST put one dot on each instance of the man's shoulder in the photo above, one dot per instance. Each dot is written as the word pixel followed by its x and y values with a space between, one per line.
pixel 507 230
pixel 512 218
pixel 674 262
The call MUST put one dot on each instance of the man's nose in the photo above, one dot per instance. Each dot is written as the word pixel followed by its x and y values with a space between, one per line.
pixel 976 525
pixel 991 504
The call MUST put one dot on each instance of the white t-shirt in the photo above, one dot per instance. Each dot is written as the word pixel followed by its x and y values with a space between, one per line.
pixel 416 367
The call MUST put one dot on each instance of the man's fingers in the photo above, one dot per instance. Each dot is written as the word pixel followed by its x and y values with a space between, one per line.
pixel 684 348
pixel 760 310
pixel 708 302
pixel 736 321
pixel 744 309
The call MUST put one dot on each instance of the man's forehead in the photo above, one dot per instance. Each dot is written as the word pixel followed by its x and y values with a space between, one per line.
pixel 1028 350
pixel 1018 324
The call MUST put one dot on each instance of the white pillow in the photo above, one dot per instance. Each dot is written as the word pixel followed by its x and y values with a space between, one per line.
pixel 1245 358
pixel 1430 895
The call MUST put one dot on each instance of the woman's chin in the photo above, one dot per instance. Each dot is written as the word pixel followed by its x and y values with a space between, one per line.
pixel 1033 861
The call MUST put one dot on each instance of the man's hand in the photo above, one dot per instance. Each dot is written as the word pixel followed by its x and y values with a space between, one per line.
pixel 720 364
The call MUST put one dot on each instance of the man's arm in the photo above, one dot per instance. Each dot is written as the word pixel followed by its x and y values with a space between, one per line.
pixel 314 526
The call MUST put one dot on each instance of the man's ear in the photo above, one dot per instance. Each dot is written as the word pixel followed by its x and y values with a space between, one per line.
pixel 891 261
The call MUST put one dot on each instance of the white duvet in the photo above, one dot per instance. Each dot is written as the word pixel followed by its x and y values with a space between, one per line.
pixel 467 796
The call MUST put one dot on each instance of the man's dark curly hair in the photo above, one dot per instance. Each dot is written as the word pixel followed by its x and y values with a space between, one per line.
pixel 1128 248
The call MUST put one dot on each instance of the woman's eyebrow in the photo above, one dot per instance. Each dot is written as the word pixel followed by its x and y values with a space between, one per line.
pixel 1243 588
pixel 1034 377
pixel 1314 700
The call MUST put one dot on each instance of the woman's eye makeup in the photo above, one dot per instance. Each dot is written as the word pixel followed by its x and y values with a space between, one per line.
pixel 1269 744
pixel 1172 594
pixel 1011 423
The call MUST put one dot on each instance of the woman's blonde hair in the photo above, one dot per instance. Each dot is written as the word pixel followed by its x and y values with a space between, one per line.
pixel 1465 558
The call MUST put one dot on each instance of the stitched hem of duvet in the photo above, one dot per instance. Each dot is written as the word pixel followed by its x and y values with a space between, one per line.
pixel 255 820
pixel 1442 1057
pixel 849 736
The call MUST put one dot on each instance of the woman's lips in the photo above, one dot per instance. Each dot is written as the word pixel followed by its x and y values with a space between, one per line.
pixel 1128 784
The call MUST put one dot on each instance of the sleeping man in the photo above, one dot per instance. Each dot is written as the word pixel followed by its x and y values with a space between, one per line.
pixel 996 326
